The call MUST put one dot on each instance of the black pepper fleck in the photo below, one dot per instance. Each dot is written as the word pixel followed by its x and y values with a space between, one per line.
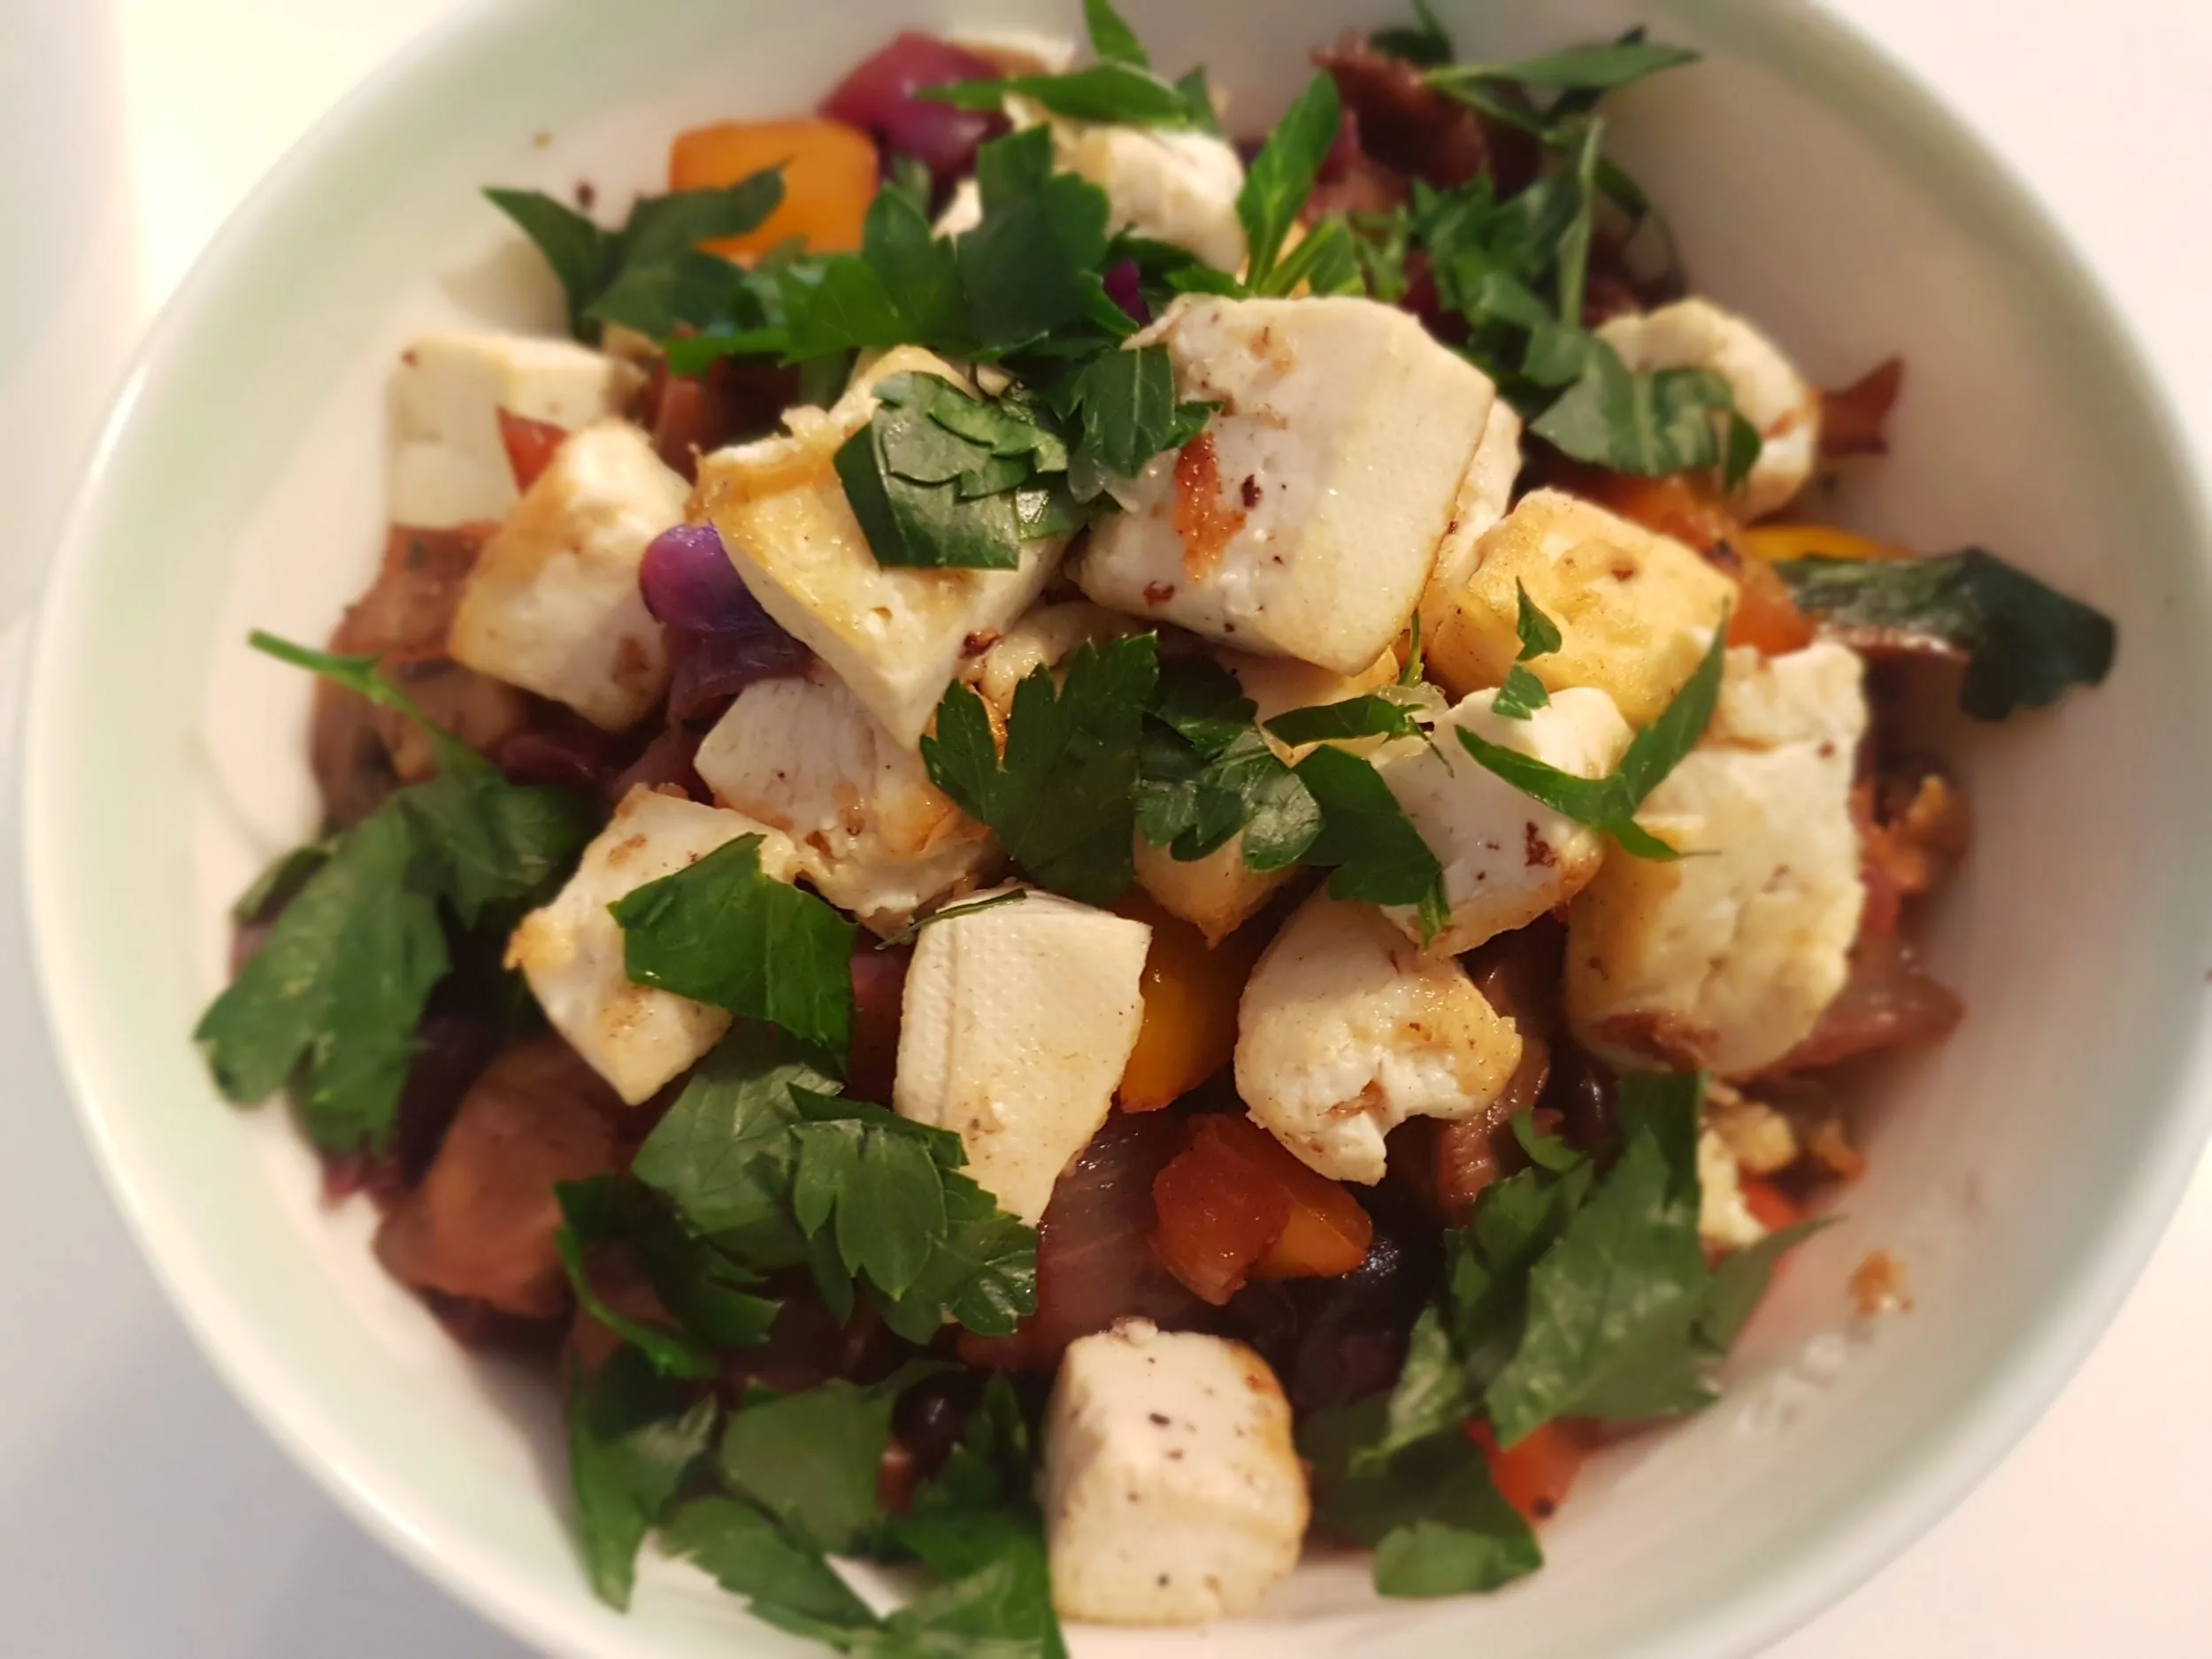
pixel 1160 1418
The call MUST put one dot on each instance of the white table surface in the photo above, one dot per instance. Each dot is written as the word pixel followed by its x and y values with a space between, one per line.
pixel 142 1513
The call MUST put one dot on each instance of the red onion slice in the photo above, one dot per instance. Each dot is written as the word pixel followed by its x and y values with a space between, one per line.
pixel 877 98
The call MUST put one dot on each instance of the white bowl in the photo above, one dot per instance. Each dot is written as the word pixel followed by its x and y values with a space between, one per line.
pixel 2021 1173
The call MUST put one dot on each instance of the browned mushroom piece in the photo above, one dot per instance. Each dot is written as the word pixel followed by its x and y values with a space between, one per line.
pixel 481 1224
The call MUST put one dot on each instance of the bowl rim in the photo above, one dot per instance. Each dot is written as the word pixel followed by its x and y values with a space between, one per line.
pixel 1891 1511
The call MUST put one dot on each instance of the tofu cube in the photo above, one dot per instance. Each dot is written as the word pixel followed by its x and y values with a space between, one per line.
pixel 553 605
pixel 895 636
pixel 570 951
pixel 1346 1029
pixel 871 831
pixel 1179 187
pixel 449 465
pixel 1172 1492
pixel 1017 1021
pixel 1635 611
pixel 1759 1138
pixel 1770 393
pixel 1020 52
pixel 1486 496
pixel 1219 893
pixel 1507 859
pixel 1044 638
pixel 1725 960
pixel 1304 521
pixel 1724 1221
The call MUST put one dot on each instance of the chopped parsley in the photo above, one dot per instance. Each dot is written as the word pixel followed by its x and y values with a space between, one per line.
pixel 1523 693
pixel 1061 801
pixel 2025 642
pixel 651 275
pixel 1608 805
pixel 710 1295
pixel 1208 775
pixel 632 1436
pixel 723 933
pixel 1571 1292
pixel 941 480
pixel 1119 88
pixel 759 1155
pixel 330 1004
pixel 1367 841
pixel 1281 178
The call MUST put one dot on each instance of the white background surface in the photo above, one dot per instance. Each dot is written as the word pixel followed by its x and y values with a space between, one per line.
pixel 142 1513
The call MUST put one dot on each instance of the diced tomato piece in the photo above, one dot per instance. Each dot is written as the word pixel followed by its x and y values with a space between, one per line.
pixel 1770 1206
pixel 1534 1474
pixel 1212 1226
pixel 829 178
pixel 1684 506
pixel 1856 419
pixel 1766 616
pixel 530 445
pixel 1234 1204
pixel 1190 1005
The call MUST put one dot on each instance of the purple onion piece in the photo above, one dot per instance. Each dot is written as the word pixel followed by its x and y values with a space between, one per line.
pixel 1125 288
pixel 564 758
pixel 720 639
pixel 707 669
pixel 878 97
pixel 689 581
pixel 667 760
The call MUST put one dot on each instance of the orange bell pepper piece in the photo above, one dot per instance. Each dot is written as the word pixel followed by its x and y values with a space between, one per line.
pixel 829 178
pixel 1190 1005
pixel 1235 1204
pixel 1775 541
pixel 1534 1473
pixel 1770 1206
pixel 1683 506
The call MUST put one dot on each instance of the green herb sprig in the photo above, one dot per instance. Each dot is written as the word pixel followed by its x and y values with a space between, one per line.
pixel 330 1004
pixel 2025 642
pixel 651 275
pixel 1608 805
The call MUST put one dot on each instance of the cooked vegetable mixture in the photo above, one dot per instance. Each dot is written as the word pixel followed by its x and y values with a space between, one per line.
pixel 1089 850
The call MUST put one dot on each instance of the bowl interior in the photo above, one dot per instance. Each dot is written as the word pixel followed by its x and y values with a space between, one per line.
pixel 2020 1173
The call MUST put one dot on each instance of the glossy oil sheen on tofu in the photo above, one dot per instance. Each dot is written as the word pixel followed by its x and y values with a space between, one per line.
pixel 553 604
pixel 896 636
pixel 872 834
pixel 1346 1029
pixel 1305 519
pixel 1635 611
